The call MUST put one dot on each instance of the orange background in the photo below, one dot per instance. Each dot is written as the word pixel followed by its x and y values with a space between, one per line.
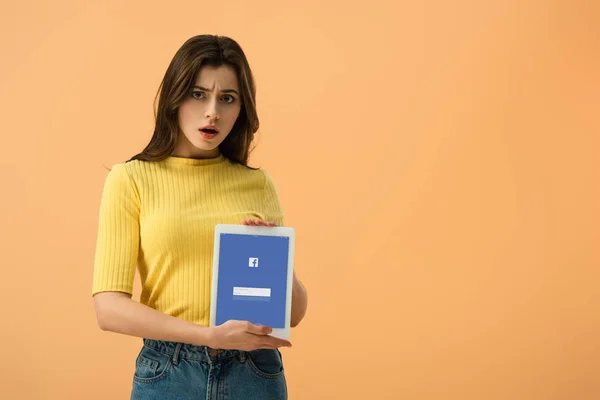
pixel 438 160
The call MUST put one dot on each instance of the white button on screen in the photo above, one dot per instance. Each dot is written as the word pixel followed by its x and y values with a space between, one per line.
pixel 253 292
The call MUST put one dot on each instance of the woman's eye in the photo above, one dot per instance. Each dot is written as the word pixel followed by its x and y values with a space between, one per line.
pixel 229 99
pixel 197 95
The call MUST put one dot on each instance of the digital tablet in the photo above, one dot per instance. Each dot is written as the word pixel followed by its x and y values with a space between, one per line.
pixel 252 276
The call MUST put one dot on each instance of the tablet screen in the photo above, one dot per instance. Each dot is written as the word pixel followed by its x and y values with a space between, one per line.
pixel 252 279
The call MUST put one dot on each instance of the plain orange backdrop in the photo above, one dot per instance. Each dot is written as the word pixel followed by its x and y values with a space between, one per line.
pixel 438 160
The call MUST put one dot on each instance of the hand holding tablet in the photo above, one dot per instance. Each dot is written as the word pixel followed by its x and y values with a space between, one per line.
pixel 243 335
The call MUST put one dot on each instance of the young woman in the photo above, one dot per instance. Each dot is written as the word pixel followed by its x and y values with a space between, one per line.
pixel 158 212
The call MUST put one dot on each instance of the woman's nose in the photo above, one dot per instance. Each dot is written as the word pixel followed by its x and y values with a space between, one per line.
pixel 211 112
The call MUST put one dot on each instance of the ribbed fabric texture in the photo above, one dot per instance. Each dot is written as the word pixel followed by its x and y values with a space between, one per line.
pixel 161 217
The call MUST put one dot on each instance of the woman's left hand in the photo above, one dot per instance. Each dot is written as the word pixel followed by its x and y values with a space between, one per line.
pixel 258 222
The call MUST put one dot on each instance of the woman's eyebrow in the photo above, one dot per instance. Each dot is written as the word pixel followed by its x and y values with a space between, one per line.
pixel 222 91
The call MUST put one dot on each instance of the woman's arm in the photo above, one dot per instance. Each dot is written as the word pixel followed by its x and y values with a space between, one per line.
pixel 299 301
pixel 117 312
pixel 273 216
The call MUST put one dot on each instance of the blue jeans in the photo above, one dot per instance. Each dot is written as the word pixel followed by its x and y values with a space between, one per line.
pixel 170 370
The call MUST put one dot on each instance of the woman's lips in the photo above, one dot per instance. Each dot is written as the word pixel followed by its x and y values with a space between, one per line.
pixel 208 134
pixel 210 128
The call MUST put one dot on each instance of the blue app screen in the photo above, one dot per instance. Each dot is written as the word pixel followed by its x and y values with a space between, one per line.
pixel 252 280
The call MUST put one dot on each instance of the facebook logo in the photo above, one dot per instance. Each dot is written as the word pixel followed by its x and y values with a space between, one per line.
pixel 253 262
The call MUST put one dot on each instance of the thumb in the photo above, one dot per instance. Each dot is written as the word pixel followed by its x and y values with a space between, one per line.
pixel 259 329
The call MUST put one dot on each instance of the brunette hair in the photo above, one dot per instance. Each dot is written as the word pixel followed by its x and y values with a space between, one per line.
pixel 177 84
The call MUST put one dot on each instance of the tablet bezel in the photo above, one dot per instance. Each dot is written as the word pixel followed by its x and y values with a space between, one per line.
pixel 283 333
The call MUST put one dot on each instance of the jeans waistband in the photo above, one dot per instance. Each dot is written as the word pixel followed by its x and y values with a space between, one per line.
pixel 191 352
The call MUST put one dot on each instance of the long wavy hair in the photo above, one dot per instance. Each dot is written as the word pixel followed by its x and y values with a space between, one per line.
pixel 177 84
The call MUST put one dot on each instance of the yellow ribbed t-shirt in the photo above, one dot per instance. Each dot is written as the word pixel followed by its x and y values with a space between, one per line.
pixel 160 217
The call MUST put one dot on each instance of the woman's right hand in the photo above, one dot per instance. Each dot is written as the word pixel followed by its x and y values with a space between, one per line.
pixel 243 335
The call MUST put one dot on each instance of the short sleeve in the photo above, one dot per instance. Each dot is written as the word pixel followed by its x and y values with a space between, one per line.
pixel 118 238
pixel 272 206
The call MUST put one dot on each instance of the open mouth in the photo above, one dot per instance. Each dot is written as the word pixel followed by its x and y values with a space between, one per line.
pixel 209 133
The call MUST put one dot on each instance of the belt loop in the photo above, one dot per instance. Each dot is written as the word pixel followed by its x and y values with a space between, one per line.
pixel 242 356
pixel 176 353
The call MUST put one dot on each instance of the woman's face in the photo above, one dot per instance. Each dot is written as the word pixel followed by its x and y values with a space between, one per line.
pixel 207 115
